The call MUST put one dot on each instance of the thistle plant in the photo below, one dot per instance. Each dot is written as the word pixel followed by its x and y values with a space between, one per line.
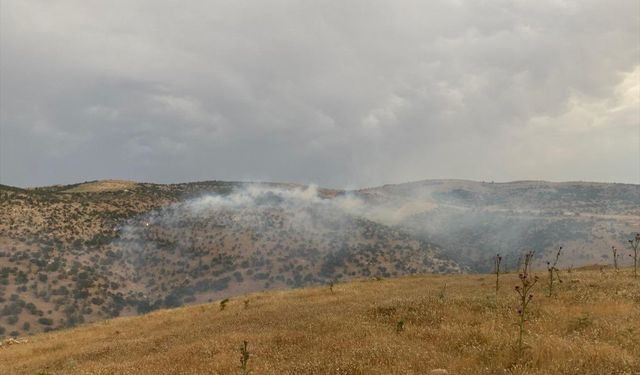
pixel 524 296
pixel 551 268
pixel 244 358
pixel 634 246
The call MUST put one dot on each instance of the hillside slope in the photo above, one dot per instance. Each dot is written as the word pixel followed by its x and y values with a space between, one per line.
pixel 74 254
pixel 449 322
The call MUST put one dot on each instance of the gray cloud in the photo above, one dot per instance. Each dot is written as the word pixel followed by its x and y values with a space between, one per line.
pixel 338 93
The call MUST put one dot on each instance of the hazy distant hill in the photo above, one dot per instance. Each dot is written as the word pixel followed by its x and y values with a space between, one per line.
pixel 476 220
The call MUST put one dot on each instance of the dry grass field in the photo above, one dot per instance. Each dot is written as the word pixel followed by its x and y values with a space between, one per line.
pixel 451 323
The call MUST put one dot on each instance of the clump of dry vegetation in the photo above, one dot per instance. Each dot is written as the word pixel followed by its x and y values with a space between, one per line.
pixel 589 328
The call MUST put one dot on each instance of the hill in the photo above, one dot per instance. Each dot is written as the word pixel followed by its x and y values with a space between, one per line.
pixel 71 254
pixel 82 253
pixel 451 324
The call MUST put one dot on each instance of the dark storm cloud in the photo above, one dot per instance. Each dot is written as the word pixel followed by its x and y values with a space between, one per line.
pixel 338 93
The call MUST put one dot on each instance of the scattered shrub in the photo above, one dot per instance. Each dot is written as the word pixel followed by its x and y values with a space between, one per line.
pixel 45 321
pixel 223 303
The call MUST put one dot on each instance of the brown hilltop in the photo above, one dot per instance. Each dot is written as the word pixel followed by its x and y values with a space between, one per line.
pixel 100 186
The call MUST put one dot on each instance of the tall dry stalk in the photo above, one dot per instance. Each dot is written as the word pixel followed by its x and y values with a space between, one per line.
pixel 244 358
pixel 497 261
pixel 525 296
pixel 634 246
pixel 551 268
pixel 614 251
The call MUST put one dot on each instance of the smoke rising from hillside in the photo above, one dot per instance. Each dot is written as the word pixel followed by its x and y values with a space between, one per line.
pixel 263 211
pixel 250 207
pixel 259 237
pixel 471 221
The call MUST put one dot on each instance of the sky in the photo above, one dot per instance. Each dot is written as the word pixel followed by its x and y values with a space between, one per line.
pixel 342 94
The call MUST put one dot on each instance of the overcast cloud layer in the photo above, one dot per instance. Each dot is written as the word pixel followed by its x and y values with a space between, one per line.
pixel 339 93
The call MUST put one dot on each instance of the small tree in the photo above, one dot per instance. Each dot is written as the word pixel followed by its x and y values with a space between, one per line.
pixel 634 246
pixel 525 296
pixel 551 268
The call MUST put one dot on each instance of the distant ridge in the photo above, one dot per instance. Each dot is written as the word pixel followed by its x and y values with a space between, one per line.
pixel 96 184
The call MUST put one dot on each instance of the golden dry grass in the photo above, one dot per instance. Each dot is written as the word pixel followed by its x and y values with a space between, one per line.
pixel 592 326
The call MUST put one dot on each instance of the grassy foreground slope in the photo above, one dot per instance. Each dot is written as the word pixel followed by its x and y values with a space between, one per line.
pixel 592 326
